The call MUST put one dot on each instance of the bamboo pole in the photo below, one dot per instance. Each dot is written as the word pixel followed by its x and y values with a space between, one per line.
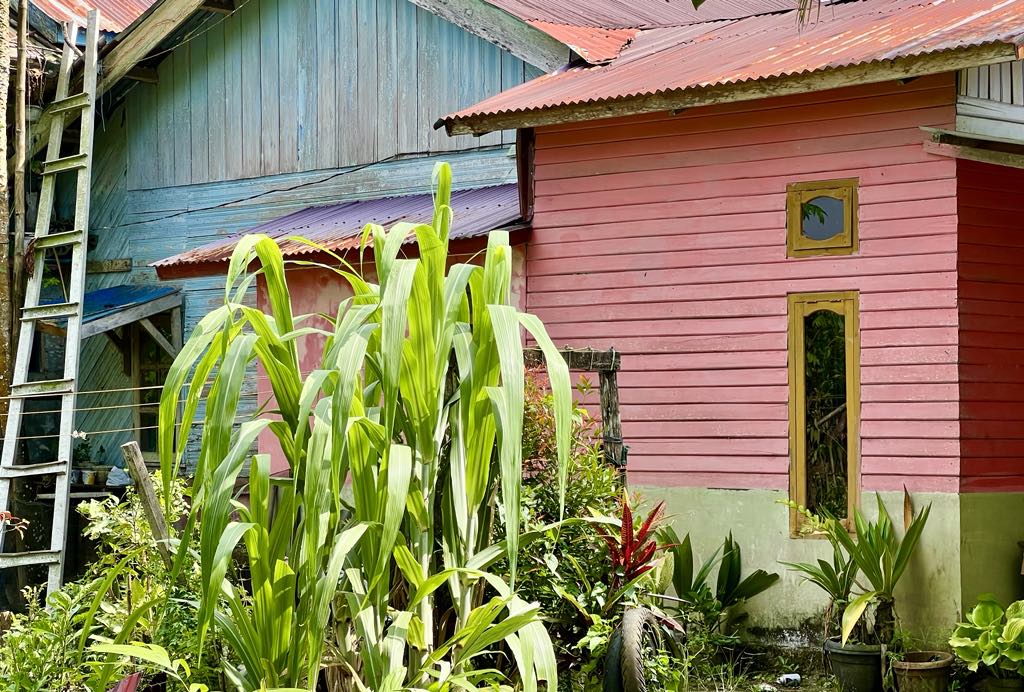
pixel 5 268
pixel 20 124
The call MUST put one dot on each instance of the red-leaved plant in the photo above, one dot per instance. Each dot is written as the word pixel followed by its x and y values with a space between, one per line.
pixel 632 552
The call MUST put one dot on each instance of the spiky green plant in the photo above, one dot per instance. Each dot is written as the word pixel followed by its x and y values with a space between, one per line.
pixel 415 413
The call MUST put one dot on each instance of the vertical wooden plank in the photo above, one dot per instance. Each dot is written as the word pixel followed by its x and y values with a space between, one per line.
pixel 325 84
pixel 995 86
pixel 387 79
pixel 198 62
pixel 407 101
pixel 307 46
pixel 233 132
pixel 164 125
pixel 366 115
pixel 216 105
pixel 428 67
pixel 1006 79
pixel 983 83
pixel 611 419
pixel 346 68
pixel 288 69
pixel 1017 80
pixel 142 137
pixel 252 126
pixel 490 84
pixel 511 75
pixel 182 134
pixel 972 81
pixel 150 504
pixel 270 96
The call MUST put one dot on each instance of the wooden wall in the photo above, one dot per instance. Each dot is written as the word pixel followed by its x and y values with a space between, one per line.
pixel 664 237
pixel 285 86
pixel 991 100
pixel 991 291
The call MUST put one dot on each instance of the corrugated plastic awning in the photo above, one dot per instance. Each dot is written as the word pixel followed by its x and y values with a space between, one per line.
pixel 670 60
pixel 114 307
pixel 339 227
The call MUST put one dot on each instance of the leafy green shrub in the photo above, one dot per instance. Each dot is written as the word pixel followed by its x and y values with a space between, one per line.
pixel 126 595
pixel 992 637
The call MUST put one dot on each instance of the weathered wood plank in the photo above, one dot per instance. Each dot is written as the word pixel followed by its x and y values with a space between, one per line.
pixel 387 78
pixel 347 98
pixel 150 504
pixel 366 117
pixel 410 124
pixel 165 126
pixel 216 103
pixel 234 131
pixel 252 125
pixel 270 81
pixel 182 99
pixel 288 69
pixel 199 109
pixel 325 83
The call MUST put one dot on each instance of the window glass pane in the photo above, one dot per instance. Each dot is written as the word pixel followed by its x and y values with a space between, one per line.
pixel 825 395
pixel 822 218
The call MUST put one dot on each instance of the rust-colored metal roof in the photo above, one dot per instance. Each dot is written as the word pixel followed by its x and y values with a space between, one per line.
pixel 115 15
pixel 593 44
pixel 339 227
pixel 664 60
pixel 636 14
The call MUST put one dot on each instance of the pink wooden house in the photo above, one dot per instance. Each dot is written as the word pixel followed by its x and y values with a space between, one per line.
pixel 808 245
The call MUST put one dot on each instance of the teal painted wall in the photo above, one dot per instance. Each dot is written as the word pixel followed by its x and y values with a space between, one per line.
pixel 286 86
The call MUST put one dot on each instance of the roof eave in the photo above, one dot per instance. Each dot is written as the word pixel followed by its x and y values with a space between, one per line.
pixel 850 75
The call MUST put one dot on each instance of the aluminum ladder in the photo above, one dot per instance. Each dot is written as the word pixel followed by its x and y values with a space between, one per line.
pixel 66 108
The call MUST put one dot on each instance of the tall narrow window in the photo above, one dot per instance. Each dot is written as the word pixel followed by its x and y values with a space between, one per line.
pixel 824 403
pixel 821 218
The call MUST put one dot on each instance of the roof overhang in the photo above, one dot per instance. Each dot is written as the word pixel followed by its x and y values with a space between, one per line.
pixel 108 309
pixel 975 147
pixel 866 73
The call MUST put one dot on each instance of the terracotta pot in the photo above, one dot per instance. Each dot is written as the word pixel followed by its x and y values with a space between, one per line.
pixel 923 671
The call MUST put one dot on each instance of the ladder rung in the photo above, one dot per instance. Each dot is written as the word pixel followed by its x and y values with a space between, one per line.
pixel 43 242
pixel 34 557
pixel 52 311
pixel 24 470
pixel 42 388
pixel 71 103
pixel 66 163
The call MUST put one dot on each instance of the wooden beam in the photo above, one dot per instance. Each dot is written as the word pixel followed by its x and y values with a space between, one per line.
pixel 158 337
pixel 579 359
pixel 219 6
pixel 977 141
pixel 504 30
pixel 869 73
pixel 998 158
pixel 136 465
pixel 110 266
pixel 146 75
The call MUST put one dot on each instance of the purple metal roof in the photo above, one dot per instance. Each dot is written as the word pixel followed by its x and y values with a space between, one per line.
pixel 674 59
pixel 339 227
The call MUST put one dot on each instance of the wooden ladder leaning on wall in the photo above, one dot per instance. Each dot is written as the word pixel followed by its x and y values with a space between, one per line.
pixel 66 107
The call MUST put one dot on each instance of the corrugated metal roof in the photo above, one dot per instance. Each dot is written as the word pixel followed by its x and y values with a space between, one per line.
pixel 339 227
pixel 115 15
pixel 114 299
pixel 678 58
pixel 593 44
pixel 636 14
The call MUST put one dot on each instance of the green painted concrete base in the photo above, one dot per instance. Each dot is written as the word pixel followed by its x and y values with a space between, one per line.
pixel 968 547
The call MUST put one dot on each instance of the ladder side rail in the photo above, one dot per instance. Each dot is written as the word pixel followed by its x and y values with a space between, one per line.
pixel 76 295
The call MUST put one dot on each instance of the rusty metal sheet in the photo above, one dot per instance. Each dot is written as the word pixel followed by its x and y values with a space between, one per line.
pixel 593 44
pixel 339 227
pixel 636 14
pixel 663 60
pixel 115 15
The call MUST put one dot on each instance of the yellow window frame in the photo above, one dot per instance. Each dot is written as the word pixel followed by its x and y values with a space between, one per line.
pixel 798 194
pixel 800 305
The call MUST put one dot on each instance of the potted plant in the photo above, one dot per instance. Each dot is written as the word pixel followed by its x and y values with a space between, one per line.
pixel 880 557
pixel 993 639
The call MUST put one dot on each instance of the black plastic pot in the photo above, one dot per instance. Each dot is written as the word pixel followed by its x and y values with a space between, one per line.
pixel 923 671
pixel 857 666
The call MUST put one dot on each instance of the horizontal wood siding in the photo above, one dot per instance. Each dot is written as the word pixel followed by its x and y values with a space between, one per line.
pixel 285 86
pixel 991 100
pixel 664 237
pixel 991 291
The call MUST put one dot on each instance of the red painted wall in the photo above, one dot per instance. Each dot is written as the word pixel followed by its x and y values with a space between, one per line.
pixel 991 291
pixel 664 236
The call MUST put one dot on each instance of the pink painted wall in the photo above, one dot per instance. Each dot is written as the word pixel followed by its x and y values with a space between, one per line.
pixel 991 291
pixel 664 236
pixel 314 290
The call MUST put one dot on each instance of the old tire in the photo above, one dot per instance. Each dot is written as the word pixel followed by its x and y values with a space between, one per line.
pixel 613 663
pixel 641 639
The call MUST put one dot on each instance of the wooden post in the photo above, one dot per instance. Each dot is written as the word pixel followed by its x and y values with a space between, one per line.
pixel 151 506
pixel 20 101
pixel 6 352
pixel 611 420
